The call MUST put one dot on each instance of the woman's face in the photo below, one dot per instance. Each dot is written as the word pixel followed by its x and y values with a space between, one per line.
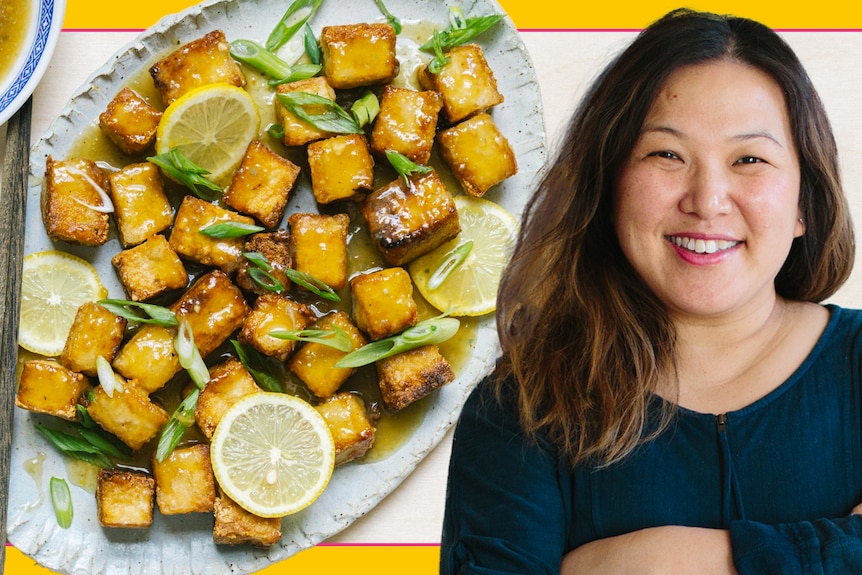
pixel 707 204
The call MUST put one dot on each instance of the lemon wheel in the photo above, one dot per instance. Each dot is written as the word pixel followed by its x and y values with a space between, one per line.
pixel 272 453
pixel 471 287
pixel 54 285
pixel 212 126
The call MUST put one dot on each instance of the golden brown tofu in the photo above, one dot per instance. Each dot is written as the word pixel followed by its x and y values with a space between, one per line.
pixel 130 122
pixel 408 220
pixel 128 413
pixel 318 246
pixel 235 526
pixel 184 481
pixel 358 54
pixel 141 208
pixel 407 123
pixel 314 363
pixel 275 247
pixel 214 308
pixel 478 154
pixel 261 185
pixel 347 419
pixel 150 269
pixel 229 381
pixel 465 82
pixel 46 386
pixel 340 167
pixel 69 195
pixel 205 60
pixel 194 215
pixel 383 302
pixel 411 375
pixel 274 312
pixel 124 498
pixel 148 357
pixel 95 332
pixel 298 132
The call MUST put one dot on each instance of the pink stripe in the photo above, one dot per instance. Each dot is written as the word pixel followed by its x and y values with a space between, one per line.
pixel 325 544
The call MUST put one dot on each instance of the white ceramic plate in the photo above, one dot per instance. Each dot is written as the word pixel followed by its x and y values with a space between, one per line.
pixel 45 24
pixel 183 544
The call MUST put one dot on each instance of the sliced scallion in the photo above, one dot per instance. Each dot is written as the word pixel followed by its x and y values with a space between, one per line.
pixel 297 14
pixel 395 22
pixel 462 30
pixel 251 53
pixel 61 499
pixel 255 363
pixel 365 109
pixel 189 174
pixel 431 331
pixel 227 230
pixel 107 378
pixel 404 165
pixel 181 419
pixel 189 356
pixel 333 119
pixel 312 284
pixel 335 338
pixel 141 312
pixel 312 47
pixel 449 264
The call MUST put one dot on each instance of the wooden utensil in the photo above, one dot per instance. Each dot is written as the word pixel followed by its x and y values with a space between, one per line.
pixel 13 202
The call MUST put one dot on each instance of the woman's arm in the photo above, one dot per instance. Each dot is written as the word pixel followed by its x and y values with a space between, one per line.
pixel 657 550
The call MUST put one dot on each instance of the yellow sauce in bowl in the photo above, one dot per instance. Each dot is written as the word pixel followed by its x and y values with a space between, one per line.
pixel 15 18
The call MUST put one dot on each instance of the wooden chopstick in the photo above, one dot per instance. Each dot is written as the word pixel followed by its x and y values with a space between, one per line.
pixel 13 202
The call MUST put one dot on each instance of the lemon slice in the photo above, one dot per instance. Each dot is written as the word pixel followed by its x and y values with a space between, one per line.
pixel 212 126
pixel 471 288
pixel 54 285
pixel 272 453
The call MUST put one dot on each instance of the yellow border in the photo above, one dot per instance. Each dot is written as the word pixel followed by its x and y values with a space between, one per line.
pixel 559 14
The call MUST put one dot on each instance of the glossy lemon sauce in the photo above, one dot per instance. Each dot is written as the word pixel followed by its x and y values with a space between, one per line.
pixel 14 22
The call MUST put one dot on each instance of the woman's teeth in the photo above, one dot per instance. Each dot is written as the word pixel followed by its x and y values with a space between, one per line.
pixel 701 246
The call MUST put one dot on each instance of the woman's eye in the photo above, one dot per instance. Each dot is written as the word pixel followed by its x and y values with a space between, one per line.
pixel 665 155
pixel 748 160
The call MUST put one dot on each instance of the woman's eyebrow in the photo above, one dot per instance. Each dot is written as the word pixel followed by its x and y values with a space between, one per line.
pixel 664 129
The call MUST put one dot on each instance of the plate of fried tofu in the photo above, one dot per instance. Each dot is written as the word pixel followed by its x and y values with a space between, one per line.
pixel 322 203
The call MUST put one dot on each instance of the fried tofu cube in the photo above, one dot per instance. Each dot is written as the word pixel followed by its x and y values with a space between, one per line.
pixel 274 312
pixel 95 332
pixel 340 167
pixel 346 416
pixel 148 358
pixel 261 185
pixel 235 526
pixel 124 498
pixel 275 247
pixel 214 308
pixel 409 220
pixel 69 196
pixel 128 413
pixel 411 375
pixel 318 246
pixel 358 54
pixel 465 82
pixel 298 132
pixel 314 363
pixel 407 122
pixel 150 269
pixel 141 208
pixel 383 302
pixel 46 386
pixel 130 122
pixel 187 240
pixel 185 481
pixel 202 61
pixel 478 154
pixel 229 381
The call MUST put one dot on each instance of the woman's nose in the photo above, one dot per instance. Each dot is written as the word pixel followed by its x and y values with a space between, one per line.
pixel 708 192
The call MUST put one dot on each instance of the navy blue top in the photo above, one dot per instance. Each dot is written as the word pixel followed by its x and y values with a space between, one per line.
pixel 781 474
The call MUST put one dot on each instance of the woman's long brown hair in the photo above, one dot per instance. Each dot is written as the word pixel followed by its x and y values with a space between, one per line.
pixel 584 341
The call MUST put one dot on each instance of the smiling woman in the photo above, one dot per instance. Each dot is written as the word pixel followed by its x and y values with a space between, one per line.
pixel 14 22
